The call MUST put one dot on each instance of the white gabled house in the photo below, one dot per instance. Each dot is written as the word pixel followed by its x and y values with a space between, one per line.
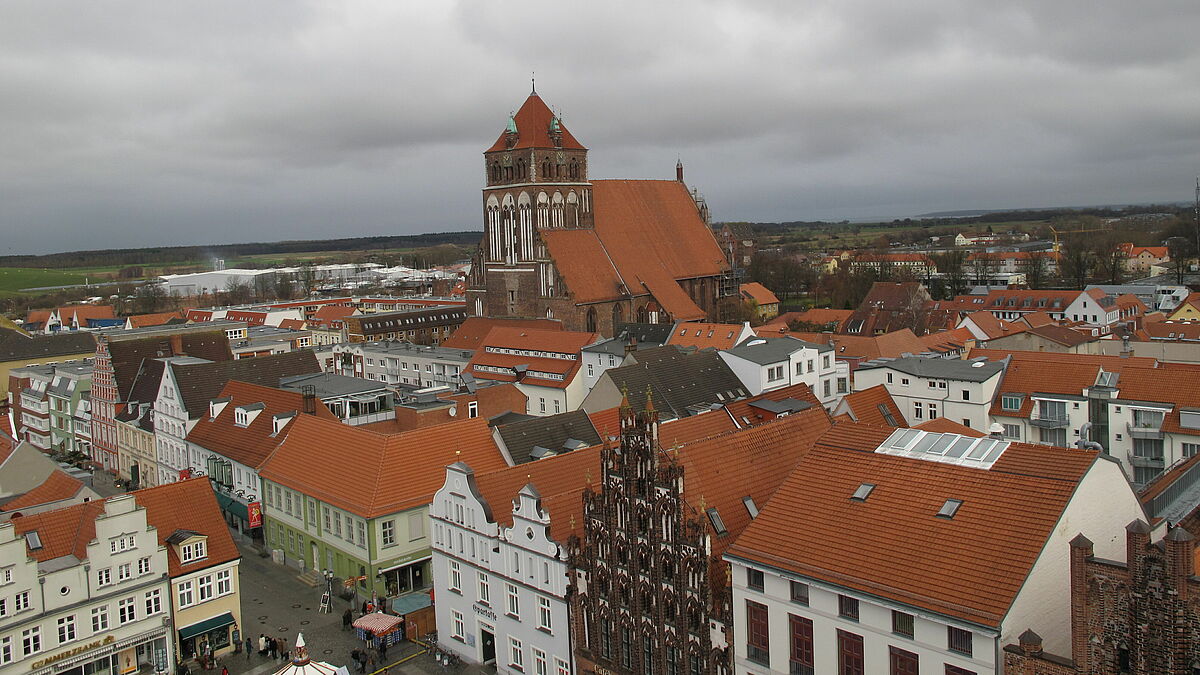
pixel 500 576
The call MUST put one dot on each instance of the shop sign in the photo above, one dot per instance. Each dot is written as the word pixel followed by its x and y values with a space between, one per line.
pixel 254 511
pixel 485 612
pixel 74 651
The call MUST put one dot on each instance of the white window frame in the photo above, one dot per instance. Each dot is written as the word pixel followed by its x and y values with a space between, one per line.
pixel 99 619
pixel 185 594
pixel 545 614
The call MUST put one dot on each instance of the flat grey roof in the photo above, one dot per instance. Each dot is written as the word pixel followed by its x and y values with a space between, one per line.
pixel 331 384
pixel 975 370
pixel 773 350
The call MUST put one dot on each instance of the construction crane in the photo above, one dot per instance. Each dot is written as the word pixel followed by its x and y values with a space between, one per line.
pixel 1058 244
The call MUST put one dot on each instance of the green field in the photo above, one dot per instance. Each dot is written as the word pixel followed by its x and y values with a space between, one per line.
pixel 13 279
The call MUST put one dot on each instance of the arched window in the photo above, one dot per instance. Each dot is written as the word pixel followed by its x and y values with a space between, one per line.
pixel 643 316
pixel 549 313
pixel 478 306
pixel 618 318
pixel 591 320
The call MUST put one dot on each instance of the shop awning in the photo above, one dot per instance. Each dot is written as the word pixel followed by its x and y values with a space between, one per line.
pixel 378 623
pixel 410 602
pixel 232 505
pixel 219 621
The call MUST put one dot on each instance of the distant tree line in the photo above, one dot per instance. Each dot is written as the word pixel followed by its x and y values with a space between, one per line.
pixel 134 257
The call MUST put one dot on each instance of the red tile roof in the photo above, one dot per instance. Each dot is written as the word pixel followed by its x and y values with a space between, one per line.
pixel 57 487
pixel 559 342
pixel 292 324
pixel 893 545
pixel 945 425
pixel 533 128
pixel 250 445
pixel 819 316
pixel 760 294
pixel 746 414
pixel 188 505
pixel 765 455
pixel 948 340
pixel 377 474
pixel 648 234
pixel 158 319
pixel 866 347
pixel 864 407
pixel 470 333
pixel 65 531
pixel 702 335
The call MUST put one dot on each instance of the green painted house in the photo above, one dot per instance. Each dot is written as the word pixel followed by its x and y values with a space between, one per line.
pixel 341 498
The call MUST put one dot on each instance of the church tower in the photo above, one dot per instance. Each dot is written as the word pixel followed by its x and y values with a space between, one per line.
pixel 536 180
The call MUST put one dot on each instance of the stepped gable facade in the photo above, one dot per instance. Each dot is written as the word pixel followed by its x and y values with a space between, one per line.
pixel 595 254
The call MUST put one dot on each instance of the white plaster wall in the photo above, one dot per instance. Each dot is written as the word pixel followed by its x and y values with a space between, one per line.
pixel 1103 504
pixel 929 639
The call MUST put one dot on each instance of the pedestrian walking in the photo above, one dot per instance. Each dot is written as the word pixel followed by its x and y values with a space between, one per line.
pixel 383 650
pixel 347 619
pixel 249 648
pixel 224 670
pixel 283 649
pixel 262 644
pixel 272 647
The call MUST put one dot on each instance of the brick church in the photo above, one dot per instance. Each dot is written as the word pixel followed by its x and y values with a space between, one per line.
pixel 593 253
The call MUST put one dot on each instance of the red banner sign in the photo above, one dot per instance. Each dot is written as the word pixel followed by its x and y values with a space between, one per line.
pixel 254 510
pixel 185 474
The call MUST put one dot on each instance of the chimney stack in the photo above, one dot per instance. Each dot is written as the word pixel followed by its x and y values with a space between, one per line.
pixel 177 345
pixel 679 171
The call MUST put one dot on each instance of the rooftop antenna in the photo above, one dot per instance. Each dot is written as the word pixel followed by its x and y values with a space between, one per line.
pixel 1197 215
pixel 533 83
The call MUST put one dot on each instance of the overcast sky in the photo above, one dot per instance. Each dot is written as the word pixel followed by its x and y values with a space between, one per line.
pixel 161 123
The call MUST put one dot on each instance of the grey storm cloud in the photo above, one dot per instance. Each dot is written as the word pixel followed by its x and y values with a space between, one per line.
pixel 159 123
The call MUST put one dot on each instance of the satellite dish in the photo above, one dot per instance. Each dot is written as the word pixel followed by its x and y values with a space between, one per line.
pixel 453 410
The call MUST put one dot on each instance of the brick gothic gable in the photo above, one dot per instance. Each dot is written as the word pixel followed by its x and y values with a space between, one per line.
pixel 1141 617
pixel 593 254
pixel 643 576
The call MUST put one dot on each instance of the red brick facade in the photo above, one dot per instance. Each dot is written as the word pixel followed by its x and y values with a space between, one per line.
pixel 1141 617
pixel 537 182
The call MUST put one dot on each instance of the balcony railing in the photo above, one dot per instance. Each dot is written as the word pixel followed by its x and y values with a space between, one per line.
pixel 1051 421
pixel 1145 430
pixel 369 418
pixel 1153 461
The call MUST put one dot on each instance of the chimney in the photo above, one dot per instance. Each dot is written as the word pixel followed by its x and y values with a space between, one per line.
pixel 679 171
pixel 1081 551
pixel 631 345
pixel 177 345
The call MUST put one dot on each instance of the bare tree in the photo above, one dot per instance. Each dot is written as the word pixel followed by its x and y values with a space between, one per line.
pixel 237 292
pixel 1078 261
pixel 1037 269
pixel 150 298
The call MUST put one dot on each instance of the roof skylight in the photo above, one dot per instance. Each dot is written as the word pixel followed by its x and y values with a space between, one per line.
pixel 717 523
pixel 949 508
pixel 980 453
pixel 863 491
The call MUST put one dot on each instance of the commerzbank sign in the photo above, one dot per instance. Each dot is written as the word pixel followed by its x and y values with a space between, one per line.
pixel 74 651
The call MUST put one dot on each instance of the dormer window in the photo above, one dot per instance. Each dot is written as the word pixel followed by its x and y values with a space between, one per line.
pixel 189 545
pixel 194 551
pixel 241 417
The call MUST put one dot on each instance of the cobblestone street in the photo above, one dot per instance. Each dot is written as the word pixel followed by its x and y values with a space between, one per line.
pixel 275 601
